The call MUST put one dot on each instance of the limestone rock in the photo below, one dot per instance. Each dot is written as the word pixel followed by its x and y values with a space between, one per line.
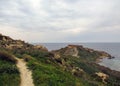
pixel 77 71
pixel 103 76
pixel 71 50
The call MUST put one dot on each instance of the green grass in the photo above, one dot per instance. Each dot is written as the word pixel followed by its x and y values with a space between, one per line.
pixel 47 75
pixel 47 72
pixel 51 74
pixel 9 74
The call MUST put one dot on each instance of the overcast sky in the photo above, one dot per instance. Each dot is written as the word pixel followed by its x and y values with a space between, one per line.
pixel 61 20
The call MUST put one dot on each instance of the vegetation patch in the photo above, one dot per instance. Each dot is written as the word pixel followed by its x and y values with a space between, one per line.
pixel 7 56
pixel 9 74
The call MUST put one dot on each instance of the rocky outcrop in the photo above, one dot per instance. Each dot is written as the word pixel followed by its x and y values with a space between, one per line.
pixel 71 50
pixel 103 76
pixel 77 50
pixel 40 47
pixel 56 55
pixel 9 43
pixel 77 72
pixel 5 38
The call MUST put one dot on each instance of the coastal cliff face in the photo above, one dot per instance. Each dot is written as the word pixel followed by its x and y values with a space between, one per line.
pixel 73 65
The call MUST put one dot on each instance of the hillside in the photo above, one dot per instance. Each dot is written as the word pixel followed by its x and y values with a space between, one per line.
pixel 8 43
pixel 83 63
pixel 73 65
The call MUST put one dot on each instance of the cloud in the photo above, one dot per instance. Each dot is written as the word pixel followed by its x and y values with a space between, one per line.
pixel 60 20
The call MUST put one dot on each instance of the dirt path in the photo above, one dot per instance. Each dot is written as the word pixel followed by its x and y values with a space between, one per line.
pixel 75 52
pixel 25 73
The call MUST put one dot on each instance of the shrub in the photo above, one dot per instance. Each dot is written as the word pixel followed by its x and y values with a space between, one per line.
pixel 7 56
pixel 27 57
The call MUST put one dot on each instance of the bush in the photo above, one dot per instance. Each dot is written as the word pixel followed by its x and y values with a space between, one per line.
pixel 7 56
pixel 27 57
pixel 9 74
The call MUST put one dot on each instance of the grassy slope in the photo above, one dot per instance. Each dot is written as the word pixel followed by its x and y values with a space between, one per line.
pixel 9 74
pixel 87 63
pixel 48 73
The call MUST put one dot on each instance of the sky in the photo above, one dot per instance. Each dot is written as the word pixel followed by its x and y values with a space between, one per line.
pixel 61 20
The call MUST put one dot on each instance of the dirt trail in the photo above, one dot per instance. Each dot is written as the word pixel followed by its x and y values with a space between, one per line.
pixel 75 52
pixel 25 73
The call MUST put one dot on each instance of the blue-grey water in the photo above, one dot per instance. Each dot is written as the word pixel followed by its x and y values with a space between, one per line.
pixel 111 48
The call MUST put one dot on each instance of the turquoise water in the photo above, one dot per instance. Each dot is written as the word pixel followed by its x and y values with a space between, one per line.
pixel 111 48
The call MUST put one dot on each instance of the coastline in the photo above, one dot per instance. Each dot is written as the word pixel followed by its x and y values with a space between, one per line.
pixel 111 48
pixel 113 64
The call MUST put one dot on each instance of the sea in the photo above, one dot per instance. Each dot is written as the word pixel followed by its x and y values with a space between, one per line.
pixel 111 48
